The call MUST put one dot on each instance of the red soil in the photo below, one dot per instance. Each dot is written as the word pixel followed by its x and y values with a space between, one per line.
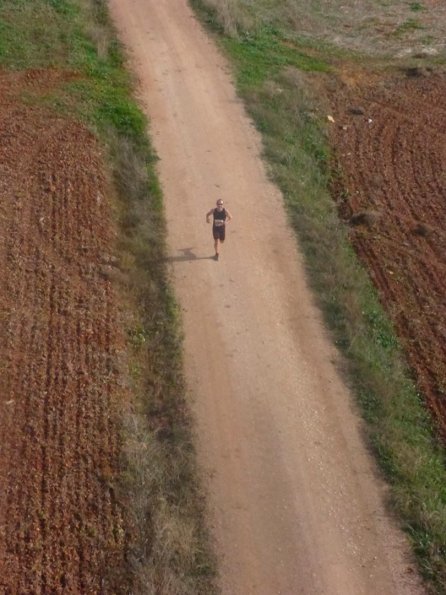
pixel 393 158
pixel 61 526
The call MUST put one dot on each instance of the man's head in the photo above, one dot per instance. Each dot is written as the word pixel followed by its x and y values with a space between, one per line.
pixel 219 203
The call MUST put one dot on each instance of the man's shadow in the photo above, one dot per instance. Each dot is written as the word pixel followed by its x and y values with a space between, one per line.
pixel 187 255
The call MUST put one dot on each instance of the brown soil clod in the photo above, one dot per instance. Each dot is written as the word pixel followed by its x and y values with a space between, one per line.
pixel 417 71
pixel 366 218
pixel 421 229
pixel 356 110
pixel 377 181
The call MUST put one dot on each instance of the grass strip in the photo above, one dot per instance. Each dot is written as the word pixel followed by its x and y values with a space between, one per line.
pixel 168 546
pixel 281 97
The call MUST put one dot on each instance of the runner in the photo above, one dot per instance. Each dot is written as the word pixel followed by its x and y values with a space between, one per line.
pixel 221 217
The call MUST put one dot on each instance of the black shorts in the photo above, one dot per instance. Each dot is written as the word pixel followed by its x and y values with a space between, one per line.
pixel 219 232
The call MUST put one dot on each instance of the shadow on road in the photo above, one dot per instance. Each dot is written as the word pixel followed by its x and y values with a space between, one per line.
pixel 187 255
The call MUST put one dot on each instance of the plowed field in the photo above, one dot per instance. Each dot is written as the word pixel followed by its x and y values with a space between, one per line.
pixel 61 525
pixel 390 139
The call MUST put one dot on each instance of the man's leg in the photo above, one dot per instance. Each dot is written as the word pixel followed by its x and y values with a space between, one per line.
pixel 221 238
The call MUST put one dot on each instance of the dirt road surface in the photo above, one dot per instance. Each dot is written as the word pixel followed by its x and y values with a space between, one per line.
pixel 295 504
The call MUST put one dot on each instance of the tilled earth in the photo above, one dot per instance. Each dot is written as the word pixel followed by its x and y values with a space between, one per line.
pixel 390 139
pixel 61 525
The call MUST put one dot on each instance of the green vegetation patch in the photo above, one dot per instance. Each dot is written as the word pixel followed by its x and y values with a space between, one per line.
pixel 264 53
pixel 38 34
pixel 407 27
pixel 416 6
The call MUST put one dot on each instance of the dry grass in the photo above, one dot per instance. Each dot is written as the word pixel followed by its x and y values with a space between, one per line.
pixel 372 27
pixel 230 16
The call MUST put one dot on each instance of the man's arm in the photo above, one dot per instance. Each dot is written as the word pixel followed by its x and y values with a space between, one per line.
pixel 228 216
pixel 208 214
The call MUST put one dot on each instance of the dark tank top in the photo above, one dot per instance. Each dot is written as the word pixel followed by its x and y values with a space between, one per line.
pixel 219 216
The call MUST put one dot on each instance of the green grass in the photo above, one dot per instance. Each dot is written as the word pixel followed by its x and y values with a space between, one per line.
pixel 283 97
pixel 264 53
pixel 408 26
pixel 416 6
pixel 168 547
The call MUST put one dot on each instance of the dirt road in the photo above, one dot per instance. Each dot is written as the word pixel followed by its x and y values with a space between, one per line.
pixel 295 504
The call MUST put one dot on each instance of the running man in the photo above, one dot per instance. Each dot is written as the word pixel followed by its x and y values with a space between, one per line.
pixel 221 217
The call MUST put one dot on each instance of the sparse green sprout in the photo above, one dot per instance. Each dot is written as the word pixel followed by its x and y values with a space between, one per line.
pixel 416 6
pixel 408 26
